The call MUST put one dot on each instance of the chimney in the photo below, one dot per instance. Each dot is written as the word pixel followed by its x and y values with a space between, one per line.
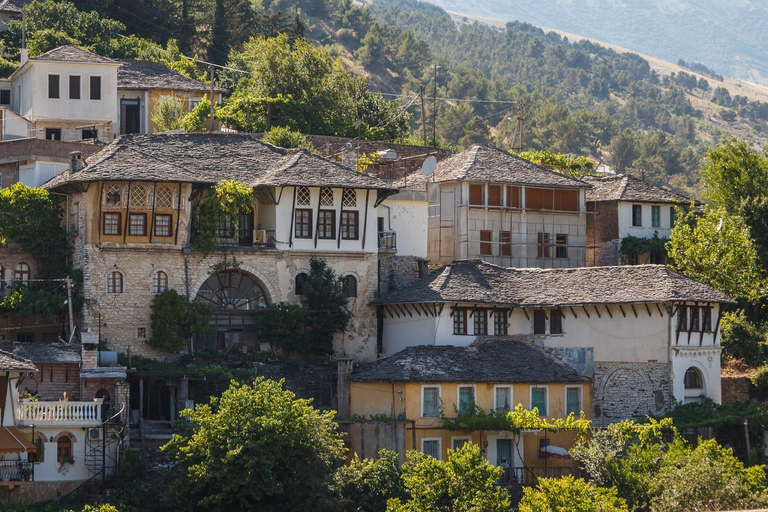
pixel 24 57
pixel 75 161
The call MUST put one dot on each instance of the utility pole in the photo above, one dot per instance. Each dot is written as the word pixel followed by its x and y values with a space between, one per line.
pixel 434 110
pixel 71 310
pixel 423 116
pixel 517 140
pixel 212 77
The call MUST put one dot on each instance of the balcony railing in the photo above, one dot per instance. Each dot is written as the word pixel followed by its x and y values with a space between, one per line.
pixel 530 476
pixel 15 470
pixel 387 241
pixel 59 413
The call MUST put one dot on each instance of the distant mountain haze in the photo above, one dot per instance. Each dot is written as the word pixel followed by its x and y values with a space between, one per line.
pixel 728 36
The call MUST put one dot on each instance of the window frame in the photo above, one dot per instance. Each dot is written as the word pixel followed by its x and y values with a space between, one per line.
pixel 537 312
pixel 561 249
pixel 699 377
pixel 22 274
pixel 495 396
pixel 51 76
pixel 91 88
pixel 552 313
pixel 480 322
pixel 497 314
pixel 542 245
pixel 351 291
pixel 637 215
pixel 655 216
pixel 465 439
pixel 473 188
pixel 112 215
pixel 298 283
pixel 439 441
pixel 458 322
pixel 546 398
pixel 439 399
pixel 158 217
pixel 346 226
pixel 303 222
pixel 505 243
pixel 78 89
pixel 112 283
pixel 458 396
pixel 131 225
pixel 486 246
pixel 323 224
pixel 157 282
pixel 581 399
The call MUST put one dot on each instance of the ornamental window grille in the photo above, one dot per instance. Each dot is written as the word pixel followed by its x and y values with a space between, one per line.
pixel 164 197
pixel 302 196
pixel 139 195
pixel 114 195
pixel 350 198
pixel 326 197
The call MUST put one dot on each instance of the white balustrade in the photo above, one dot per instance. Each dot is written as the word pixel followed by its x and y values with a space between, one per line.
pixel 59 413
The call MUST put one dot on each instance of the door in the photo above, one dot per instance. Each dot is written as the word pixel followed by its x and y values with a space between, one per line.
pixel 504 453
pixel 245 229
pixel 130 116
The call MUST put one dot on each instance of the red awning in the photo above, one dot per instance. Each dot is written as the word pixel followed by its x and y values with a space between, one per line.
pixel 13 441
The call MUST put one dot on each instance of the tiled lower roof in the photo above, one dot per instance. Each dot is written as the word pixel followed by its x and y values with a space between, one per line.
pixel 624 187
pixel 12 362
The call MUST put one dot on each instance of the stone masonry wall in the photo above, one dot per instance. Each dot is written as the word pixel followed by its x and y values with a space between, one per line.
pixel 397 272
pixel 52 380
pixel 602 230
pixel 9 174
pixel 628 390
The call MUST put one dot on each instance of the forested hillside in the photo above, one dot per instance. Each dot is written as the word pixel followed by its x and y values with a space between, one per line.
pixel 729 36
pixel 572 97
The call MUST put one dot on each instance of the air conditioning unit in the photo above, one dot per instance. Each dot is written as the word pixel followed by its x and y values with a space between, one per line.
pixel 259 236
pixel 94 434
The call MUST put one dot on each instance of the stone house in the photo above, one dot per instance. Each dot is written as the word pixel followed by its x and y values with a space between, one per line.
pixel 621 206
pixel 646 335
pixel 134 232
pixel 486 203
pixel 420 385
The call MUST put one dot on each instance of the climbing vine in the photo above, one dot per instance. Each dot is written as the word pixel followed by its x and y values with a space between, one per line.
pixel 174 321
pixel 632 246
pixel 517 419
pixel 219 208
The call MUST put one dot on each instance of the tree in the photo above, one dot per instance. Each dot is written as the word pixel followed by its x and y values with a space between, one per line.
pixel 284 137
pixel 623 151
pixel 325 300
pixel 167 113
pixel 175 322
pixel 734 172
pixel 218 48
pixel 466 482
pixel 367 485
pixel 716 248
pixel 283 326
pixel 569 494
pixel 258 447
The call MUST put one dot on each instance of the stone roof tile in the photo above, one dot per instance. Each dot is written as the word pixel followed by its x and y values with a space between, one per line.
pixel 69 53
pixel 624 187
pixel 12 362
pixel 43 352
pixel 142 74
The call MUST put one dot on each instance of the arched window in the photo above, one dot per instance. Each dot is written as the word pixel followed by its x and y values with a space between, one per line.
pixel 63 448
pixel 693 379
pixel 159 282
pixel 350 286
pixel 115 282
pixel 301 280
pixel 21 273
pixel 103 393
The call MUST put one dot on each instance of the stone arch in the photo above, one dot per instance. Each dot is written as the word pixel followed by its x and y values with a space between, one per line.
pixel 625 392
pixel 272 291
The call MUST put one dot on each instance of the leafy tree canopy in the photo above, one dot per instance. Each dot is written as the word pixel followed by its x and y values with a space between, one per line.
pixel 734 172
pixel 284 137
pixel 366 485
pixel 325 299
pixel 569 494
pixel 175 322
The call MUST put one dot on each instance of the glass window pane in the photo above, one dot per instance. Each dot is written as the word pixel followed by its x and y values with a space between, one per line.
pixel 539 400
pixel 573 401
pixel 466 399
pixel 431 447
pixel 503 398
pixel 431 402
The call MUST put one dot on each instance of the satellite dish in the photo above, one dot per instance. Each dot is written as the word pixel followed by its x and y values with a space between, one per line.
pixel 428 167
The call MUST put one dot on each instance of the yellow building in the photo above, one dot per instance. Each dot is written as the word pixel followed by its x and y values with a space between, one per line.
pixel 399 402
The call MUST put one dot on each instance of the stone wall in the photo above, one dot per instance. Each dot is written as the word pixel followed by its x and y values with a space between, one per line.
pixel 366 438
pixel 9 174
pixel 308 381
pixel 630 390
pixel 36 492
pixel 53 380
pixel 735 389
pixel 602 233
pixel 397 272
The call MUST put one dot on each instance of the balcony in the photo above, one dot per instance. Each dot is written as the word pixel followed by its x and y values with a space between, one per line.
pixel 530 475
pixel 76 414
pixel 16 470
pixel 253 238
pixel 387 241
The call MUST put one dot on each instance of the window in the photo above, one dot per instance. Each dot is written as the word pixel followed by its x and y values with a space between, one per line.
pixel 466 399
pixel 163 225
pixel 303 196
pixel 513 197
pixel 693 325
pixel 543 443
pixel 430 401
pixel 53 134
pixel 159 282
pixel 460 321
pixel 89 134
pixel 21 273
pixel 115 282
pixel 567 200
pixel 193 102
pixel 5 97
pixel 637 215
pixel 542 250
pixel 539 199
pixel 692 379
pixel 539 400
pixel 655 216
pixel 500 322
pixel 458 442
pixel 95 87
pixel 301 279
pixel 112 223
pixel 494 195
pixel 476 195
pixel 139 195
pixel 481 322
pixel 672 216
pixel 350 286
pixel 326 224
pixel 539 322
pixel 502 398
pixel 141 333
pixel 326 196
pixel 304 223
pixel 63 449
pixel 505 243
pixel 706 319
pixel 573 400
pixel 349 198
pixel 53 87
pixel 164 197
pixel 349 225
pixel 561 246
pixel 555 321
pixel 74 87
pixel 431 447
pixel 113 195
pixel 486 248
pixel 682 318
pixel 137 224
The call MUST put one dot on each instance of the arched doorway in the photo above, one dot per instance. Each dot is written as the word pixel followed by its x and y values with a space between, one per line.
pixel 693 381
pixel 235 298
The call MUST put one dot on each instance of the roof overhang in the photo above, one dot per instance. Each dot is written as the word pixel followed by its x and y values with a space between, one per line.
pixel 13 441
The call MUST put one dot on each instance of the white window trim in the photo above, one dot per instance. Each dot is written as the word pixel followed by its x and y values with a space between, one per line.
pixel 439 445
pixel 530 398
pixel 511 396
pixel 439 396
pixel 467 439
pixel 458 393
pixel 581 398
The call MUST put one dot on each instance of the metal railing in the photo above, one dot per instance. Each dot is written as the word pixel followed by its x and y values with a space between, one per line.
pixel 387 240
pixel 59 413
pixel 531 475
pixel 16 470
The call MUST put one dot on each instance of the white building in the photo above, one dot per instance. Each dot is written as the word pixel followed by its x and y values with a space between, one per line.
pixel 647 335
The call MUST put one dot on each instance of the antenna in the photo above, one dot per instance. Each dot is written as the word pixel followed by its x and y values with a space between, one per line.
pixel 428 167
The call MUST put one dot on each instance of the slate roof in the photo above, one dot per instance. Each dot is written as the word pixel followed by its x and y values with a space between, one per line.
pixel 43 352
pixel 482 163
pixel 499 360
pixel 624 187
pixel 13 6
pixel 477 282
pixel 142 75
pixel 12 362
pixel 69 53
pixel 207 158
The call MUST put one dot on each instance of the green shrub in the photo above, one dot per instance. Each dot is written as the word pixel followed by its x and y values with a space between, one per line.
pixel 741 339
pixel 760 380
pixel 569 494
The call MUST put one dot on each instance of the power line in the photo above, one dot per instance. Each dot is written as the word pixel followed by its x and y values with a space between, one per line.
pixel 467 100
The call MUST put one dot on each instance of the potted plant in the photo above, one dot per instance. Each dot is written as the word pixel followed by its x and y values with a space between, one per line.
pixel 66 462
pixel 26 473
